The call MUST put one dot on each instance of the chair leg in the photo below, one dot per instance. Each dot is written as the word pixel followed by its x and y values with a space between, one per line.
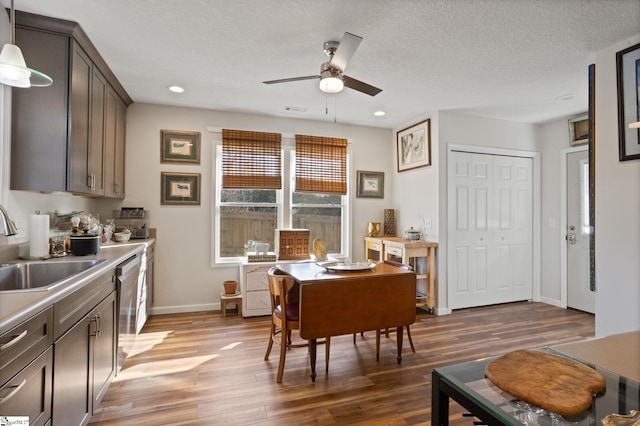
pixel 354 338
pixel 410 340
pixel 377 345
pixel 271 335
pixel 283 354
pixel 326 354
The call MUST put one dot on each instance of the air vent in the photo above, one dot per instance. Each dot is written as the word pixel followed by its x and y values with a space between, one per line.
pixel 295 109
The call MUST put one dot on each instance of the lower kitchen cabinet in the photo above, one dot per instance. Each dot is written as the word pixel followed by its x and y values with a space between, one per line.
pixel 84 364
pixel 29 392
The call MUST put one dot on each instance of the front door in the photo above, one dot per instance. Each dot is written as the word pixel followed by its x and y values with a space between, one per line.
pixel 579 295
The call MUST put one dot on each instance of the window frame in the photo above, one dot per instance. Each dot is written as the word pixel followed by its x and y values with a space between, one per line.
pixel 284 202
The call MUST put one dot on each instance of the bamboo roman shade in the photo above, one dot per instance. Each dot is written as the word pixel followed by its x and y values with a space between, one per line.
pixel 321 165
pixel 251 160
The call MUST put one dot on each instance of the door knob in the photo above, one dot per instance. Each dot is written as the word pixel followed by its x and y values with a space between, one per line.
pixel 571 238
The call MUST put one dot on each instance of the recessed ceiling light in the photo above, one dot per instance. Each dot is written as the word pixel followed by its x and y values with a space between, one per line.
pixel 176 89
pixel 566 97
pixel 379 113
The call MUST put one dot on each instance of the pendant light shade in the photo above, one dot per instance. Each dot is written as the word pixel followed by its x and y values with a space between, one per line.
pixel 13 69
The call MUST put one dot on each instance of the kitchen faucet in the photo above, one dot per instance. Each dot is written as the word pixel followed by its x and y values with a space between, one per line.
pixel 7 224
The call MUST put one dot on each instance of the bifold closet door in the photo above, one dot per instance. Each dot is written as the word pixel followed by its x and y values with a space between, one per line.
pixel 490 225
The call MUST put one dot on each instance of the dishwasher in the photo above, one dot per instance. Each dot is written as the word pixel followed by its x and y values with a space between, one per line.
pixel 127 283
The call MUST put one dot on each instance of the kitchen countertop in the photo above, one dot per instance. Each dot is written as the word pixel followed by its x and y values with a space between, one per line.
pixel 18 306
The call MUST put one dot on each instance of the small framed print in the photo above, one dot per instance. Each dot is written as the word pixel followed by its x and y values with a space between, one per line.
pixel 180 188
pixel 370 184
pixel 579 129
pixel 179 147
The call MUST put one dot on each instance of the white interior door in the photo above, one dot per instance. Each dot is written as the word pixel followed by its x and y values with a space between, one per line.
pixel 490 231
pixel 579 295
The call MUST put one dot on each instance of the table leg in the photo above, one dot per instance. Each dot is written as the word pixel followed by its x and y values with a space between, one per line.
pixel 313 346
pixel 432 279
pixel 439 403
pixel 399 334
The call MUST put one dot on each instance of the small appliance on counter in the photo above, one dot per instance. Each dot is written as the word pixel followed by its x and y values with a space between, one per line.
pixel 135 219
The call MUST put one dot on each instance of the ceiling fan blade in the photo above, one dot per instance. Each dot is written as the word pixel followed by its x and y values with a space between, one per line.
pixel 360 86
pixel 286 80
pixel 345 51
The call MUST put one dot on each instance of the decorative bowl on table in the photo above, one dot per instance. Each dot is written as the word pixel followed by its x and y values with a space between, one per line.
pixel 121 237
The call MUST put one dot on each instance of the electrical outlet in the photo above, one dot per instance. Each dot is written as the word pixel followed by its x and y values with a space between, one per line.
pixel 427 223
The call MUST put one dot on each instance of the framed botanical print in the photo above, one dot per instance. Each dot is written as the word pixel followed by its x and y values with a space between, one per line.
pixel 180 188
pixel 370 184
pixel 179 147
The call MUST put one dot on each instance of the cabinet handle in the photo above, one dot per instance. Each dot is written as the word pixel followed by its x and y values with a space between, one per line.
pixel 96 320
pixel 115 188
pixel 93 181
pixel 13 341
pixel 15 390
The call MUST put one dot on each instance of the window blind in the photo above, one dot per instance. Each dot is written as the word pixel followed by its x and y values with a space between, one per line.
pixel 321 165
pixel 251 160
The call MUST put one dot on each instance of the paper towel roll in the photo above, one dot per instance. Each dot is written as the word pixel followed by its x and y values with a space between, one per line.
pixel 38 235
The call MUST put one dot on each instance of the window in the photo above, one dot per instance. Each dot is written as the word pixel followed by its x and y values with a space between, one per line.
pixel 244 215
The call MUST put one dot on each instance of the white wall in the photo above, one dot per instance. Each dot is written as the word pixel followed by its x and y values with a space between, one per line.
pixel 617 224
pixel 554 137
pixel 414 192
pixel 185 281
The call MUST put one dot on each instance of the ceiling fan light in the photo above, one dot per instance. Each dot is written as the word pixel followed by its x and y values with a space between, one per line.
pixel 331 84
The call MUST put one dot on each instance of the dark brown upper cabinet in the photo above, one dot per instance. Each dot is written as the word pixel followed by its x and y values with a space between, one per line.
pixel 69 136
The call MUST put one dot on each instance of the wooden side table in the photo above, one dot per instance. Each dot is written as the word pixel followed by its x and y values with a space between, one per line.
pixel 382 248
pixel 409 249
pixel 230 298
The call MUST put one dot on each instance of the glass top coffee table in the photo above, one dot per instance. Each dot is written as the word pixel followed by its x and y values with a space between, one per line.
pixel 467 385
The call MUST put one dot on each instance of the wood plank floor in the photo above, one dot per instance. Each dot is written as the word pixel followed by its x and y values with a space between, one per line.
pixel 202 369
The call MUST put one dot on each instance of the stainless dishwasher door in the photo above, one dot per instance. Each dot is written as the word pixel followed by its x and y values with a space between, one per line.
pixel 127 280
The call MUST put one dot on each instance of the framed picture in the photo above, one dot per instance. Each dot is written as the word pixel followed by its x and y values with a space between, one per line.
pixel 579 129
pixel 628 70
pixel 179 147
pixel 180 188
pixel 414 146
pixel 370 184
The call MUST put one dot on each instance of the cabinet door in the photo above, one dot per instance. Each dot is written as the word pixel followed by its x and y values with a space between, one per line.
pixel 80 116
pixel 72 376
pixel 97 126
pixel 29 392
pixel 104 347
pixel 114 145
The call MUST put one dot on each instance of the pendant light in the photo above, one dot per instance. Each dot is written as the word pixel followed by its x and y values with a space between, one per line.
pixel 13 69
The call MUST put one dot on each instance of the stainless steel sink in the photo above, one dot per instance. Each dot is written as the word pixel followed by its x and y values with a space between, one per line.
pixel 41 275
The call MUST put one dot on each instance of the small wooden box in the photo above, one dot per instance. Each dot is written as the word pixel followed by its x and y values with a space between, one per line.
pixel 292 244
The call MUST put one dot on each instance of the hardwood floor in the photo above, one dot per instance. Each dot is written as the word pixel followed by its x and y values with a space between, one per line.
pixel 202 369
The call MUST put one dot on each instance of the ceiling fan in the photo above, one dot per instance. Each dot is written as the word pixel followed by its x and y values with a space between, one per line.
pixel 332 78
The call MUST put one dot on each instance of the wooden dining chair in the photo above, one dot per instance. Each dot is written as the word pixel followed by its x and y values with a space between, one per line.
pixel 285 317
pixel 378 332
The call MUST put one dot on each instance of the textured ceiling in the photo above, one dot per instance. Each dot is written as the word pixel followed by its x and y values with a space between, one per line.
pixel 508 59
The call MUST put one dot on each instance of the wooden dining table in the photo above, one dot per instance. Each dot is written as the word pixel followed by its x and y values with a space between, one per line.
pixel 347 302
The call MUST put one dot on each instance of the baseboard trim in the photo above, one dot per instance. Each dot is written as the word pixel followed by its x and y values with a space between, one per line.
pixel 553 302
pixel 162 310
pixel 442 311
